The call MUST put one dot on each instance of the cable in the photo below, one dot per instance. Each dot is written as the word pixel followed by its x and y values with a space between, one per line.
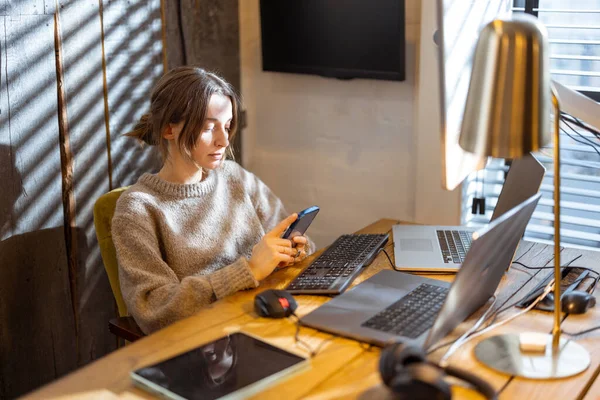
pixel 549 287
pixel 528 267
pixel 523 271
pixel 579 123
pixel 593 146
pixel 552 267
pixel 495 314
pixel 596 279
pixel 595 328
pixel 470 331
pixel 312 352
pixel 588 141
pixel 390 260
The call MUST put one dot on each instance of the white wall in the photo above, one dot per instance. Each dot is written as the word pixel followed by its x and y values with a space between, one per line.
pixel 348 146
pixel 433 204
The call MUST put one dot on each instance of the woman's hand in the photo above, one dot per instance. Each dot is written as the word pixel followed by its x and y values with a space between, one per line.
pixel 272 251
pixel 300 243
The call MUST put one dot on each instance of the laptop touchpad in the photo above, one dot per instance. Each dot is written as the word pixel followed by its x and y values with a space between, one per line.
pixel 416 245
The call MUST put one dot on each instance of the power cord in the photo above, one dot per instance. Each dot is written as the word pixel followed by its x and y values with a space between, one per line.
pixel 464 339
pixel 584 140
pixel 390 260
pixel 576 121
pixel 501 310
pixel 470 331
pixel 492 318
pixel 596 279
pixel 312 352
pixel 595 328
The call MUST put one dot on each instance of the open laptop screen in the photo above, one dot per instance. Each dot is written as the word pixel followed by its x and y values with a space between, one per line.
pixel 482 269
pixel 523 180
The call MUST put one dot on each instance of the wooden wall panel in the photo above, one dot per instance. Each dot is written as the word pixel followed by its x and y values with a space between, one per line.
pixel 36 334
pixel 212 36
pixel 81 47
pixel 27 7
pixel 209 32
pixel 133 46
pixel 54 319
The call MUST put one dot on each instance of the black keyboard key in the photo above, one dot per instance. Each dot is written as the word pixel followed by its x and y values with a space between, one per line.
pixel 413 314
pixel 454 245
pixel 339 265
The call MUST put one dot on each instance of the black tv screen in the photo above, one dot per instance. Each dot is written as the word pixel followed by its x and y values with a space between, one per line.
pixel 335 38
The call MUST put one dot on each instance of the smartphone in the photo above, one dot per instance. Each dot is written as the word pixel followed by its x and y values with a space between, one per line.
pixel 300 225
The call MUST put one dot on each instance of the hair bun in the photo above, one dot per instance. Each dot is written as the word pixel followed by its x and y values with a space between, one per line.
pixel 143 130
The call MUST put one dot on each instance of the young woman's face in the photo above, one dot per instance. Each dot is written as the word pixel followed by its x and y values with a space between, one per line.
pixel 214 138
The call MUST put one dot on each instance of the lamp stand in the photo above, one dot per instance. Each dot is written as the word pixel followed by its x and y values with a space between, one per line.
pixel 561 357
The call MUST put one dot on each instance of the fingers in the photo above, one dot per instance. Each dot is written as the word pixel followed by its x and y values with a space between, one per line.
pixel 282 242
pixel 288 250
pixel 300 241
pixel 284 258
pixel 300 255
pixel 282 226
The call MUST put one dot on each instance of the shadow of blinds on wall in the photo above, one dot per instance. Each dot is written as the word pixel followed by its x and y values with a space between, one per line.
pixel 574 33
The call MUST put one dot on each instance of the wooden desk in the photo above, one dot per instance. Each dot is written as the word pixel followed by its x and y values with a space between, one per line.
pixel 343 368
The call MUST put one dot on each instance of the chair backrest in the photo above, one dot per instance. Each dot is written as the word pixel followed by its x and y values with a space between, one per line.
pixel 104 209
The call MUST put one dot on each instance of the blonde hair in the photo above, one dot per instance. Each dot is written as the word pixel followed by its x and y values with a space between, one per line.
pixel 183 94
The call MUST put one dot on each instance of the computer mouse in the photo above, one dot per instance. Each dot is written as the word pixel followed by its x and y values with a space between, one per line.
pixel 572 302
pixel 577 302
pixel 274 303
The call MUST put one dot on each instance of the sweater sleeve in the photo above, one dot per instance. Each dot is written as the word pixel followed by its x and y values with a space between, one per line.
pixel 268 206
pixel 154 295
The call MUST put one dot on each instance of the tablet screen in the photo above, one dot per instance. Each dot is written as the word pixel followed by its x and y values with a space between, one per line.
pixel 228 365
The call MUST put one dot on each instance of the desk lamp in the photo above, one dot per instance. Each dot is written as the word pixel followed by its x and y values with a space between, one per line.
pixel 507 116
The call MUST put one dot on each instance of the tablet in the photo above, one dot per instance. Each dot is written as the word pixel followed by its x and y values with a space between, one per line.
pixel 232 367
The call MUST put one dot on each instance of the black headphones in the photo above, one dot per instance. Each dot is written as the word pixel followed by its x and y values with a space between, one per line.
pixel 405 369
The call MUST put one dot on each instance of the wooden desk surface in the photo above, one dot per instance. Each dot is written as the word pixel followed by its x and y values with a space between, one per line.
pixel 343 368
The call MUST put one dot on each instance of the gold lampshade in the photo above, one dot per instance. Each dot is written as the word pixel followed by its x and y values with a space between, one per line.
pixel 508 104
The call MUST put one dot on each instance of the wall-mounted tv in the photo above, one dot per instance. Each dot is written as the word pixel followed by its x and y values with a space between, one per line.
pixel 335 38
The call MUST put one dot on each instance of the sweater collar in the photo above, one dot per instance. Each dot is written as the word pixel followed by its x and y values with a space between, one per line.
pixel 180 189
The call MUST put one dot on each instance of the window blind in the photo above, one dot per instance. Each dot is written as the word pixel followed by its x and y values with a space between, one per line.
pixel 574 36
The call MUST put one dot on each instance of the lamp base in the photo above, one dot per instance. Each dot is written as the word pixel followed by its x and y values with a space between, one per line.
pixel 503 353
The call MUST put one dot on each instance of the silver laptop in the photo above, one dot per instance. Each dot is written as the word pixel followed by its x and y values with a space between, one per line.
pixel 427 248
pixel 392 305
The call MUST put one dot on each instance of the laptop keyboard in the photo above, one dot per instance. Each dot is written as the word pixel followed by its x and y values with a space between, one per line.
pixel 413 314
pixel 454 245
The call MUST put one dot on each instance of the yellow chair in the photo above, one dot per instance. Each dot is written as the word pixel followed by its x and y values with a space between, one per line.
pixel 124 326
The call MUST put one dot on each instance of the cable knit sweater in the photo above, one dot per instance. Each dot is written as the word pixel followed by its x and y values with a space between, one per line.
pixel 183 246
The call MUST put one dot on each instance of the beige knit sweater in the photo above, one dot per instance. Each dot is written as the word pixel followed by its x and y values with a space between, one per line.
pixel 183 246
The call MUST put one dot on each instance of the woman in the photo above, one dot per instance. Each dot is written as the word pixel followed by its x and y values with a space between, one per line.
pixel 203 227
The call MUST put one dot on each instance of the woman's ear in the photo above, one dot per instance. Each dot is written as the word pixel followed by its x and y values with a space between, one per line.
pixel 170 131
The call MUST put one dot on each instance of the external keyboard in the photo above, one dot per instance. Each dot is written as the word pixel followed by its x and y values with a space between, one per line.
pixel 413 314
pixel 454 245
pixel 333 271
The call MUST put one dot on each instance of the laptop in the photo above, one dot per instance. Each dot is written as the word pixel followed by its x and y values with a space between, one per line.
pixel 442 249
pixel 392 306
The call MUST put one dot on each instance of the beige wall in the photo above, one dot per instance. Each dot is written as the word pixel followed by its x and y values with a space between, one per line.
pixel 348 146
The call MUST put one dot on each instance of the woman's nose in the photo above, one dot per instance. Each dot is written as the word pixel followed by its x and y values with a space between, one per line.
pixel 223 138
